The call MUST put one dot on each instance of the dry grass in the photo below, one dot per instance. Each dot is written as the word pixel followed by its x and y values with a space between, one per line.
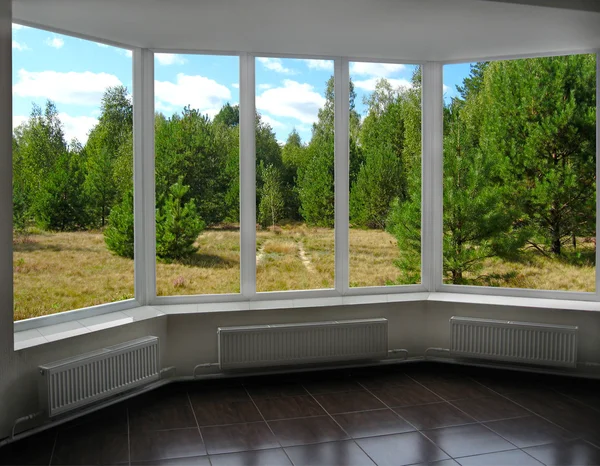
pixel 62 271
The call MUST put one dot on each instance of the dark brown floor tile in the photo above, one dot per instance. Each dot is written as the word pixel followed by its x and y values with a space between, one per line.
pixel 490 408
pixel 262 392
pixel 505 382
pixel 166 444
pixel 472 439
pixel 289 407
pixel 346 402
pixel 213 413
pixel 575 452
pixel 406 395
pixel 238 437
pixel 307 430
pixel 503 458
pixel 34 450
pixel 455 388
pixel 252 458
pixel 434 415
pixel 371 423
pixel 401 449
pixel 379 381
pixel 320 387
pixel 529 431
pixel 195 461
pixel 79 448
pixel 328 454
pixel 109 420
pixel 202 394
pixel 153 413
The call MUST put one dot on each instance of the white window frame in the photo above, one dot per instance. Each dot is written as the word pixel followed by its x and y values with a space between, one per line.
pixel 432 199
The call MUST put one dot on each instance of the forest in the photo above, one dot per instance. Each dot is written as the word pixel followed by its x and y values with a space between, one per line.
pixel 519 177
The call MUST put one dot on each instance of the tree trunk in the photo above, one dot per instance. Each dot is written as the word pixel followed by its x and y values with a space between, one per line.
pixel 556 246
pixel 457 277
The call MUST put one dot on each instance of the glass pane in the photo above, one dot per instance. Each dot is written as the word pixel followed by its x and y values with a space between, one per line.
pixel 294 174
pixel 385 174
pixel 519 173
pixel 197 174
pixel 72 173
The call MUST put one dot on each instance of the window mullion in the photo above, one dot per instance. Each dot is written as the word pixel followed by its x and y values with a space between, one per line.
pixel 342 171
pixel 432 176
pixel 144 177
pixel 247 177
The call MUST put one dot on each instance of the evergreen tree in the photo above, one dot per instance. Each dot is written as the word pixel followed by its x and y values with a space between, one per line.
pixel 119 235
pixel 178 224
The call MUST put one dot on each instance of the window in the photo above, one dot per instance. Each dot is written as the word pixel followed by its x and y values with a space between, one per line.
pixel 197 174
pixel 385 174
pixel 72 173
pixel 294 174
pixel 519 173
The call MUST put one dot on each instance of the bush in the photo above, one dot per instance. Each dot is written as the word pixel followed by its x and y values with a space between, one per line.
pixel 119 233
pixel 177 224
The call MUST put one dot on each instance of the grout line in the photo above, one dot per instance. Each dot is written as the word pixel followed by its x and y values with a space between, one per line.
pixel 265 421
pixel 197 425
pixel 340 426
pixel 128 436
pixel 53 447
pixel 406 420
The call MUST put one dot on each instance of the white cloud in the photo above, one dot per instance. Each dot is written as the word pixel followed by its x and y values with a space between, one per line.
pixel 199 92
pixel 167 59
pixel 369 84
pixel 382 70
pixel 77 127
pixel 265 86
pixel 84 88
pixel 19 46
pixel 275 64
pixel 272 121
pixel 236 85
pixel 55 42
pixel 446 88
pixel 126 52
pixel 16 27
pixel 101 45
pixel 326 65
pixel 293 100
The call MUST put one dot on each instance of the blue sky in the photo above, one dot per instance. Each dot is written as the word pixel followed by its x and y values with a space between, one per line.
pixel 74 74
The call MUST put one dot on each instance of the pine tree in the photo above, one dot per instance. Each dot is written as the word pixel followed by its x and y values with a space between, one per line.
pixel 178 224
pixel 119 235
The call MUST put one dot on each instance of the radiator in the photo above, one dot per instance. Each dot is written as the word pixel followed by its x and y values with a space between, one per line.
pixel 523 342
pixel 306 343
pixel 78 381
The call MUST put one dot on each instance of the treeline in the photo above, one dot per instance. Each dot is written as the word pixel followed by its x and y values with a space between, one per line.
pixel 519 167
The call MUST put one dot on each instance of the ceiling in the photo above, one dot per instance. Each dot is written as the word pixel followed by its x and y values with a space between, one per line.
pixel 409 30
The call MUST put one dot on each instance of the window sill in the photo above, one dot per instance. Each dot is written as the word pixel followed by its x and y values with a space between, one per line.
pixel 31 337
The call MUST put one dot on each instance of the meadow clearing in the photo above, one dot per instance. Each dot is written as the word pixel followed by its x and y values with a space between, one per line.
pixel 55 272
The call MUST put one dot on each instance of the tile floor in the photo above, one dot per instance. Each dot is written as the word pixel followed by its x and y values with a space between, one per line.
pixel 422 413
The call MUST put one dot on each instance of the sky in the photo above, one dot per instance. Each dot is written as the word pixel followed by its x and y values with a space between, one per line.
pixel 74 74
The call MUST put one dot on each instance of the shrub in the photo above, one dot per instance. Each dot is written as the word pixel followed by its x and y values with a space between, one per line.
pixel 119 233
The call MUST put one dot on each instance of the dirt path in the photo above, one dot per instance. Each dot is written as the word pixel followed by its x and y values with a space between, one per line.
pixel 304 258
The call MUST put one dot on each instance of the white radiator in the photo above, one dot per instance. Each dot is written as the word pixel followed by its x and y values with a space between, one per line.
pixel 306 343
pixel 523 342
pixel 71 383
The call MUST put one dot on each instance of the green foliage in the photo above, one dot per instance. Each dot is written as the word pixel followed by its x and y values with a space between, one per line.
pixel 271 208
pixel 316 188
pixel 177 224
pixel 118 236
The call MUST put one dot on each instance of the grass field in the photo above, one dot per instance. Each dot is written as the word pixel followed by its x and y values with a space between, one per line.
pixel 55 272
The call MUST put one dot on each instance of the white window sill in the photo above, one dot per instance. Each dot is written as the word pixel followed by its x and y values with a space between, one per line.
pixel 30 337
